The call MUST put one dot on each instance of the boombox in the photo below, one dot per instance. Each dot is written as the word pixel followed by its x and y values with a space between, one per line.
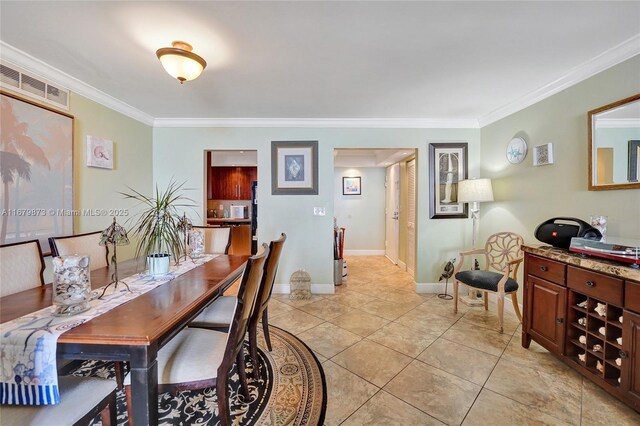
pixel 560 234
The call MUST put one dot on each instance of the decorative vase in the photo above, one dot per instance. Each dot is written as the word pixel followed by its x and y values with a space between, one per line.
pixel 158 263
pixel 196 243
pixel 71 284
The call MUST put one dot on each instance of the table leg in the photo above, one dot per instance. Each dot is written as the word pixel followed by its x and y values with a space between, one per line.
pixel 144 389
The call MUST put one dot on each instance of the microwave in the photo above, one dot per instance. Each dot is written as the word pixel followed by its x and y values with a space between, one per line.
pixel 238 212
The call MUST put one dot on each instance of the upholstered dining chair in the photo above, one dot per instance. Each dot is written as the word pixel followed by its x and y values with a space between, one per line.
pixel 21 267
pixel 217 239
pixel 197 358
pixel 219 314
pixel 503 253
pixel 81 399
pixel 82 244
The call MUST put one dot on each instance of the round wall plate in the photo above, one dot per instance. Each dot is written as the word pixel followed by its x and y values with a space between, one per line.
pixel 516 150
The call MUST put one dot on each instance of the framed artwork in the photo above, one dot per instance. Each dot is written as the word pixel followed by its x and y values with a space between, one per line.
pixel 294 167
pixel 99 152
pixel 351 186
pixel 36 157
pixel 543 154
pixel 447 167
pixel 634 161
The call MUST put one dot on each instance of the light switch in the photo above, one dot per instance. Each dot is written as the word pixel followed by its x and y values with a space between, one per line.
pixel 319 211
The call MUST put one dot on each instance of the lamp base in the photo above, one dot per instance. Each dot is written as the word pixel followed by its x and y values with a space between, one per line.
pixel 471 299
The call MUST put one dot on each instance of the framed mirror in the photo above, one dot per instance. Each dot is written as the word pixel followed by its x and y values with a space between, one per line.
pixel 614 145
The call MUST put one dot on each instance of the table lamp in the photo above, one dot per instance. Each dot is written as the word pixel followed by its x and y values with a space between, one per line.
pixel 474 191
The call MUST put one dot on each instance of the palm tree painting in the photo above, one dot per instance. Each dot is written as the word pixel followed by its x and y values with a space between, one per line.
pixel 36 171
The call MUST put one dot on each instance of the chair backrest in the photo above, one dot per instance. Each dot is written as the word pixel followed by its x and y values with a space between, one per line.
pixel 217 239
pixel 87 244
pixel 240 240
pixel 502 248
pixel 21 267
pixel 269 275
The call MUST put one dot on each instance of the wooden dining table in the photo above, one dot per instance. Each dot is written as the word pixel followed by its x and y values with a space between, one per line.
pixel 136 330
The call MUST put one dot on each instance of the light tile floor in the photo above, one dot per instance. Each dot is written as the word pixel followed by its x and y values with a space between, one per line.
pixel 393 357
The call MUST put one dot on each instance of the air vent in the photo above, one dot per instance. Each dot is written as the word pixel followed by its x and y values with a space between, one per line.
pixel 30 85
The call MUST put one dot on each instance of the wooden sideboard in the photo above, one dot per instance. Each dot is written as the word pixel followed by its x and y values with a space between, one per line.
pixel 561 292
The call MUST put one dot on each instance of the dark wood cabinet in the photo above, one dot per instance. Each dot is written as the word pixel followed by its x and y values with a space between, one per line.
pixel 630 355
pixel 230 183
pixel 546 312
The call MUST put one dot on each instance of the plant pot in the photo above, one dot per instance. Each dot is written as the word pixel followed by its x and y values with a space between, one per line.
pixel 158 263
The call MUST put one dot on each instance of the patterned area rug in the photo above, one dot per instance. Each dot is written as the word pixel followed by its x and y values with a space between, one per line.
pixel 291 390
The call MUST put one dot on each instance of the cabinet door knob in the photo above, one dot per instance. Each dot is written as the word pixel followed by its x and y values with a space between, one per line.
pixel 590 284
pixel 623 354
pixel 544 268
pixel 559 320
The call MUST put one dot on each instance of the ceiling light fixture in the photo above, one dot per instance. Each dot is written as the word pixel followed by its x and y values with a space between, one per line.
pixel 180 62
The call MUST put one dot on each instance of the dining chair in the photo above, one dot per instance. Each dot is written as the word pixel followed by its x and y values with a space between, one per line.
pixel 81 399
pixel 219 314
pixel 82 244
pixel 197 358
pixel 217 239
pixel 21 267
pixel 503 253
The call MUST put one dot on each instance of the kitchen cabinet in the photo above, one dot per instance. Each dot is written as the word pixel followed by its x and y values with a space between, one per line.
pixel 230 183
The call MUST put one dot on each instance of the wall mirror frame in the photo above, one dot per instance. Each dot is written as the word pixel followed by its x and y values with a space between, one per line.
pixel 614 145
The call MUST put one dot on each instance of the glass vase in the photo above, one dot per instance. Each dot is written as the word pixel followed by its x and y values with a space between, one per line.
pixel 71 284
pixel 196 243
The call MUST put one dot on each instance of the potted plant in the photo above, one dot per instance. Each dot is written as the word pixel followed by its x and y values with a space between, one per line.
pixel 157 226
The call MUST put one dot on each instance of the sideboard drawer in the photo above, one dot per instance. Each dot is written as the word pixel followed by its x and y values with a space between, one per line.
pixel 603 287
pixel 547 269
pixel 632 296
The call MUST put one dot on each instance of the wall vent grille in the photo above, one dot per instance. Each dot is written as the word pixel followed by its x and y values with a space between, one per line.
pixel 17 80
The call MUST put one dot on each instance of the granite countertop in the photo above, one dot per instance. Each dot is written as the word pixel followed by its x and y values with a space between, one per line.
pixel 596 264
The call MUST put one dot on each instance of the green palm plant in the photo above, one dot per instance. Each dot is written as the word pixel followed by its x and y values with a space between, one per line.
pixel 157 224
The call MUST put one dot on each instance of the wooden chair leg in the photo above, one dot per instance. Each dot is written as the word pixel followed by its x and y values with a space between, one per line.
pixel 501 311
pixel 243 375
pixel 127 393
pixel 514 300
pixel 486 300
pixel 119 367
pixel 265 328
pixel 455 296
pixel 253 348
pixel 223 399
pixel 109 415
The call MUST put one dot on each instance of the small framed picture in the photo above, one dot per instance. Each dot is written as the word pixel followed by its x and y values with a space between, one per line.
pixel 99 152
pixel 351 185
pixel 294 167
pixel 543 154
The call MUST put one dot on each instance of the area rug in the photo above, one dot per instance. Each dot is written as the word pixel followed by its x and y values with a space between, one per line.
pixel 291 390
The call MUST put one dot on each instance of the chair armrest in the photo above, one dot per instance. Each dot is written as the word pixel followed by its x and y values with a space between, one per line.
pixel 462 255
pixel 506 271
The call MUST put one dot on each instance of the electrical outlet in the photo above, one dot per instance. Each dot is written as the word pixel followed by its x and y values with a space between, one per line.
pixel 319 211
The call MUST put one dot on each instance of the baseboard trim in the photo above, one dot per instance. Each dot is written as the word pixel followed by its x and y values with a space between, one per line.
pixel 315 289
pixel 431 288
pixel 364 252
pixel 402 265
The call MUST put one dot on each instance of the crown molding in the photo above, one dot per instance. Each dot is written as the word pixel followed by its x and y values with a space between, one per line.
pixel 42 69
pixel 617 54
pixel 379 123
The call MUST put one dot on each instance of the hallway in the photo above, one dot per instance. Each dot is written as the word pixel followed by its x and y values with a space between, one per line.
pixel 392 356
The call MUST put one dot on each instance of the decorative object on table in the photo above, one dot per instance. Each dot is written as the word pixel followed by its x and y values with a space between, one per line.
pixel 71 284
pixel 300 283
pixel 446 274
pixel 599 366
pixel 185 225
pixel 618 362
pixel 597 348
pixel 516 150
pixel 294 167
pixel 582 304
pixel 156 226
pixel 99 152
pixel 180 62
pixel 447 167
pixel 582 339
pixel 474 191
pixel 196 244
pixel 601 309
pixel 582 321
pixel 600 223
pixel 351 185
pixel 602 331
pixel 115 235
pixel 582 357
pixel 619 340
pixel 36 161
pixel 543 154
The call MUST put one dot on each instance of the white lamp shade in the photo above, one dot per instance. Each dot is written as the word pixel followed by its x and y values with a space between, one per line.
pixel 471 190
pixel 181 67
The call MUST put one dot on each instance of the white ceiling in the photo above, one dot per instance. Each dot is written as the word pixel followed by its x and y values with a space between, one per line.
pixel 345 60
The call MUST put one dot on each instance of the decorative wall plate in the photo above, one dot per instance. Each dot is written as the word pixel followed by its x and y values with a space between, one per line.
pixel 516 150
